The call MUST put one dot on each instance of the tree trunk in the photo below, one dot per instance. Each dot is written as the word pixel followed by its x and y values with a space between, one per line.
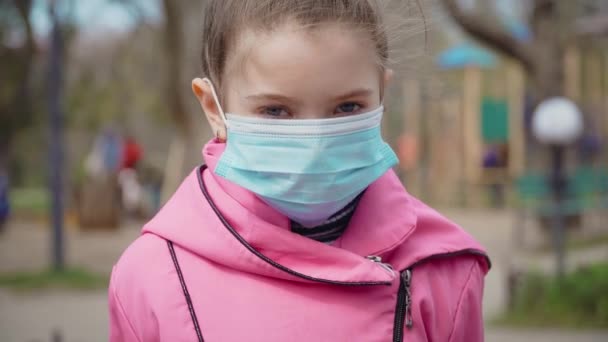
pixel 4 196
pixel 174 50
pixel 542 58
pixel 174 167
pixel 4 155
pixel 549 51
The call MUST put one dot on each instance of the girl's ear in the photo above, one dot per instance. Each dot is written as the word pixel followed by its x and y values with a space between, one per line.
pixel 205 95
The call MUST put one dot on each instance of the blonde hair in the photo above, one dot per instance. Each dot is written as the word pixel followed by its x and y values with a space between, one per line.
pixel 224 20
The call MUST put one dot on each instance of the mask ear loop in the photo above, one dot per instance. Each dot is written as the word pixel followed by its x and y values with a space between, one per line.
pixel 217 102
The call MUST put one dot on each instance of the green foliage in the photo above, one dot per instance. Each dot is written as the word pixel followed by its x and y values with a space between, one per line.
pixel 30 202
pixel 580 300
pixel 71 279
pixel 16 67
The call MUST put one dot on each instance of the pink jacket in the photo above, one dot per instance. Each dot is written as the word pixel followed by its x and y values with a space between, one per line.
pixel 219 265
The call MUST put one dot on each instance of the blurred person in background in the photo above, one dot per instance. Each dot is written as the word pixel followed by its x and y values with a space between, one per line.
pixel 99 195
pixel 496 157
pixel 131 189
pixel 132 153
pixel 297 228
pixel 131 192
pixel 106 156
pixel 4 202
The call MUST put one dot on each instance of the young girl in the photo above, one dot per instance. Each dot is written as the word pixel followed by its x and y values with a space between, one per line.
pixel 296 228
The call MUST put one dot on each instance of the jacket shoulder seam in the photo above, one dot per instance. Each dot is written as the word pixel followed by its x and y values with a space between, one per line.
pixel 460 298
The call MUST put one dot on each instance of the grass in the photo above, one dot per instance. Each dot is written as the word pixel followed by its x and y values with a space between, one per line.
pixel 70 279
pixel 578 244
pixel 574 243
pixel 30 202
pixel 579 301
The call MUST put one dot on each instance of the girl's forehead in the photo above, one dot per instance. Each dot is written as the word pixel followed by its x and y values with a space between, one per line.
pixel 329 54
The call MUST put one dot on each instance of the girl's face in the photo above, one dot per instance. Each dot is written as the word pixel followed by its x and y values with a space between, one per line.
pixel 298 73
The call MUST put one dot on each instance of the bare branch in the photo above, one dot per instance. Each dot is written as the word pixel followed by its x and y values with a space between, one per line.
pixel 492 35
pixel 24 7
pixel 593 26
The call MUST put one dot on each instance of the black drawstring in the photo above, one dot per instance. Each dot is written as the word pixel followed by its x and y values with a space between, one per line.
pixel 197 327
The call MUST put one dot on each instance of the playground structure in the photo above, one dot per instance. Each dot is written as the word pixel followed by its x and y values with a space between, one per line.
pixel 483 106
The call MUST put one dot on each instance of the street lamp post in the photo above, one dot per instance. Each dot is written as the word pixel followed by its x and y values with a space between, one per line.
pixel 55 89
pixel 557 122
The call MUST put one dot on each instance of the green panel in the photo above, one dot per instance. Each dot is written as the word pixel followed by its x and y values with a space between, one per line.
pixel 494 120
pixel 533 186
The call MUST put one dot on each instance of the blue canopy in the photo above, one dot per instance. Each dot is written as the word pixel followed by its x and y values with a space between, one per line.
pixel 464 55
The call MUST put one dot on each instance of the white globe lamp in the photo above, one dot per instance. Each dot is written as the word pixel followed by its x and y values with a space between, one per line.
pixel 557 121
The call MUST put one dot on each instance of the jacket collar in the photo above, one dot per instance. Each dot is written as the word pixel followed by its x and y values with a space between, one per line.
pixel 224 223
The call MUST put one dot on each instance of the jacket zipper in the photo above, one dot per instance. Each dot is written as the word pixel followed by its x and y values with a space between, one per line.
pixel 403 312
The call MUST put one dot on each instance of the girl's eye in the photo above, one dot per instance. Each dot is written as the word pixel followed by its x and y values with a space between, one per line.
pixel 348 108
pixel 275 112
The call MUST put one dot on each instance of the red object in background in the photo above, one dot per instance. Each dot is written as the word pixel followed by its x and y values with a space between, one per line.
pixel 132 154
pixel 407 146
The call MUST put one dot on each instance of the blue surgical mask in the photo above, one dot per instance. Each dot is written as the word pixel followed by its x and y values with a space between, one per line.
pixel 306 169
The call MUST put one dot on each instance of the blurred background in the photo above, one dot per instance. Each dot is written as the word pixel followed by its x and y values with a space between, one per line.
pixel 499 114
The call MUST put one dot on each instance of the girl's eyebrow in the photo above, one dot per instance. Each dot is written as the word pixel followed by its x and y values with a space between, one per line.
pixel 272 97
pixel 361 92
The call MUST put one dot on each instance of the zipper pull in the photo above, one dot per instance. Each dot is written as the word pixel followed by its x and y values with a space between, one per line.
pixel 378 260
pixel 407 281
pixel 374 258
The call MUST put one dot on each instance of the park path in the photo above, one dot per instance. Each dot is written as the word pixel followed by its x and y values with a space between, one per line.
pixel 82 316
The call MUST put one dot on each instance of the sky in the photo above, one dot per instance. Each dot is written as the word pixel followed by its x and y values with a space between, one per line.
pixel 509 11
pixel 101 16
pixel 96 15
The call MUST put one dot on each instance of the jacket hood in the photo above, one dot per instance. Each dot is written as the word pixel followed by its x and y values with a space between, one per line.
pixel 229 225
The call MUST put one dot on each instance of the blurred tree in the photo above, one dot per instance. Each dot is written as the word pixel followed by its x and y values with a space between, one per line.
pixel 174 65
pixel 593 20
pixel 554 24
pixel 17 52
pixel 173 46
pixel 22 90
pixel 174 50
pixel 113 77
